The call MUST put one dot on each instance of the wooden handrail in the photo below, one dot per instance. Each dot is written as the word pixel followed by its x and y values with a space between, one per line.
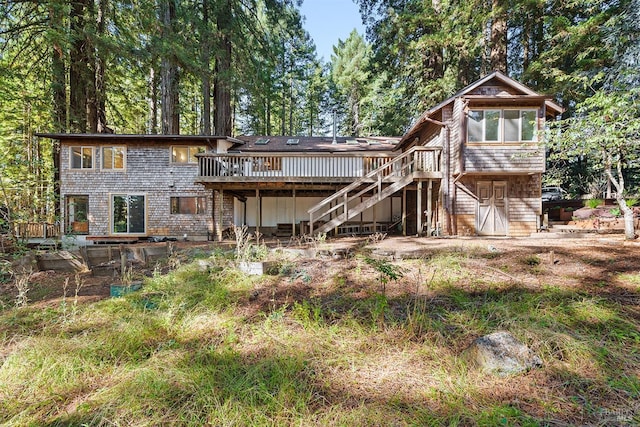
pixel 396 168
pixel 289 165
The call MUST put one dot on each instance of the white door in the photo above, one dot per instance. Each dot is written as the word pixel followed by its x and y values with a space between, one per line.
pixel 492 208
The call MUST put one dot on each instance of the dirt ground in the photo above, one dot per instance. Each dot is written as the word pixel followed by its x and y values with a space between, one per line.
pixel 584 261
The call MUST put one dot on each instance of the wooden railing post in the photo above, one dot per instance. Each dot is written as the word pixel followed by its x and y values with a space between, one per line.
pixel 346 205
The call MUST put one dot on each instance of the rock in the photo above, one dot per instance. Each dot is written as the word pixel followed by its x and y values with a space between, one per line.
pixel 500 353
pixel 583 213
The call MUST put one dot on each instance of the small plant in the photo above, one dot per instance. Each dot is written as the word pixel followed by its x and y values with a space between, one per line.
pixel 387 271
pixel 22 284
pixel 74 305
pixel 375 238
pixel 593 203
pixel 532 260
pixel 127 276
pixel 615 212
pixel 246 250
pixel 630 202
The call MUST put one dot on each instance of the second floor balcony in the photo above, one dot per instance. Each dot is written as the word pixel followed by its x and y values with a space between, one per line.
pixel 312 167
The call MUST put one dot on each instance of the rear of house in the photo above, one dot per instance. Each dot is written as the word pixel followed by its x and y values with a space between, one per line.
pixel 471 165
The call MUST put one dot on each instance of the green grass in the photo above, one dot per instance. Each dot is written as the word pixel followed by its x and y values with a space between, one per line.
pixel 196 348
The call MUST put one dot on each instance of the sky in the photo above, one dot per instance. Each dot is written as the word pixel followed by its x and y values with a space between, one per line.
pixel 330 20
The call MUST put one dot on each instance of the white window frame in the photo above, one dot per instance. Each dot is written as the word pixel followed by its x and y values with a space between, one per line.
pixel 82 148
pixel 124 157
pixel 501 126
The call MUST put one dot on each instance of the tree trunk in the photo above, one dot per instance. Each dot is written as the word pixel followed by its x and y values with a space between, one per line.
pixel 78 70
pixel 170 78
pixel 222 86
pixel 206 78
pixel 629 226
pixel 153 101
pixel 618 182
pixel 59 92
pixel 100 88
pixel 498 56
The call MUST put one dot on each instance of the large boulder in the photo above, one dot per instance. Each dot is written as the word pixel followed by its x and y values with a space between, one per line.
pixel 500 353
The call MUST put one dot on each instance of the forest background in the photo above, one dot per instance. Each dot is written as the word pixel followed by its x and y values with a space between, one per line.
pixel 230 67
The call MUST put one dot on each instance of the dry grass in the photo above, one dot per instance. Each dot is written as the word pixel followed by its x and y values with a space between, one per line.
pixel 321 344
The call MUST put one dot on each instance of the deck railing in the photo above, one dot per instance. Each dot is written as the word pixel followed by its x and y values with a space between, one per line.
pixel 396 174
pixel 36 230
pixel 286 165
pixel 278 166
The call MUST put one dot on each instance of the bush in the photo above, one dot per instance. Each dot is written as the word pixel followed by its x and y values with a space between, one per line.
pixel 593 203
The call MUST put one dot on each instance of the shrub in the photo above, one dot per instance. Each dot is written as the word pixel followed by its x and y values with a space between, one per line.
pixel 593 203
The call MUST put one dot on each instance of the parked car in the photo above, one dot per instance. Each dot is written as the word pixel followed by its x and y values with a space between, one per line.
pixel 553 193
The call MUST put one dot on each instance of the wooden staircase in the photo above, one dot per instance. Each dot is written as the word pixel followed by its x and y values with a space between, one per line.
pixel 392 176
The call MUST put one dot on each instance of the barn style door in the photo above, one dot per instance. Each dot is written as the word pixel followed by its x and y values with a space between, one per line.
pixel 492 208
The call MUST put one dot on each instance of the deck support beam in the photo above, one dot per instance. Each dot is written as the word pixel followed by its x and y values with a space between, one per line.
pixel 419 209
pixel 429 206
pixel 258 210
pixel 404 211
pixel 293 217
pixel 221 215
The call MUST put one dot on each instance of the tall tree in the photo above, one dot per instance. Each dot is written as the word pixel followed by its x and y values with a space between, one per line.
pixel 170 73
pixel 350 72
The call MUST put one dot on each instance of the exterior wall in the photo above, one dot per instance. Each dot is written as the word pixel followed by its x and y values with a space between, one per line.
pixel 278 210
pixel 466 225
pixel 223 211
pixel 148 171
pixel 524 205
pixel 495 158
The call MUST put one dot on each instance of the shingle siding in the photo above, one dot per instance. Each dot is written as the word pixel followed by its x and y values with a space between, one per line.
pixel 149 172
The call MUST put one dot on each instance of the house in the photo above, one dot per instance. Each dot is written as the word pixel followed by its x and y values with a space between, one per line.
pixel 125 187
pixel 491 133
pixel 470 165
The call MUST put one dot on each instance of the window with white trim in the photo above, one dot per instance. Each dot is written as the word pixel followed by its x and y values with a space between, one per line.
pixel 81 157
pixel 186 154
pixel 502 125
pixel 113 158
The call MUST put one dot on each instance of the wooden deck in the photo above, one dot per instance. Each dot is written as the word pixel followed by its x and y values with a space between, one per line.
pixel 311 168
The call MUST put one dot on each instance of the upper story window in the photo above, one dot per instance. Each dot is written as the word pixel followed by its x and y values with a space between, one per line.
pixel 502 125
pixel 186 154
pixel 113 158
pixel 81 157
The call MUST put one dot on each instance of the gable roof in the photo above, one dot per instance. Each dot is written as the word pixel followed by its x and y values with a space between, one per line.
pixel 519 87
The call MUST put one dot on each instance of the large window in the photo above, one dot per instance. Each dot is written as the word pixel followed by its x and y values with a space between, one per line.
pixel 128 213
pixel 502 125
pixel 113 158
pixel 188 205
pixel 186 154
pixel 81 157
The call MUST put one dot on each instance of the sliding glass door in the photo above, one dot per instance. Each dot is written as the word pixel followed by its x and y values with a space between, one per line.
pixel 128 213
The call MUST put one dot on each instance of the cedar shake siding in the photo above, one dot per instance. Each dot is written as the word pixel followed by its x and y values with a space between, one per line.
pixel 149 172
